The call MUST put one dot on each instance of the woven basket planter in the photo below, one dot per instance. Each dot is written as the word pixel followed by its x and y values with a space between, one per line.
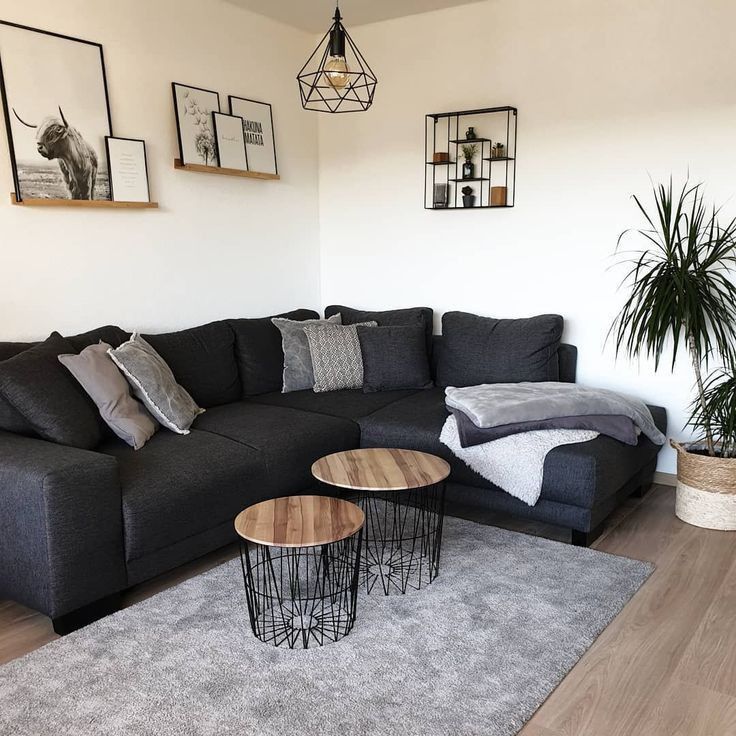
pixel 706 490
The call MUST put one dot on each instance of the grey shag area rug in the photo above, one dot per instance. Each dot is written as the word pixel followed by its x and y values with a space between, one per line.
pixel 477 652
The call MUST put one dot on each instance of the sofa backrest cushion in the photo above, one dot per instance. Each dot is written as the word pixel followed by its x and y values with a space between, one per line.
pixel 387 318
pixel 111 334
pixel 202 360
pixel 259 353
pixel 567 355
pixel 486 350
pixel 47 396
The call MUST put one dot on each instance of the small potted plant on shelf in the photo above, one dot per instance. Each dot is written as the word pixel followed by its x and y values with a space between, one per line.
pixel 469 152
pixel 468 196
pixel 498 150
pixel 682 292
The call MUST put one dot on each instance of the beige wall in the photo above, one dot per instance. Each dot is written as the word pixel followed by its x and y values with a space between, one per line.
pixel 219 246
pixel 608 93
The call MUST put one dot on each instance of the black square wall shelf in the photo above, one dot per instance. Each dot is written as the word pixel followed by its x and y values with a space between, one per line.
pixel 488 175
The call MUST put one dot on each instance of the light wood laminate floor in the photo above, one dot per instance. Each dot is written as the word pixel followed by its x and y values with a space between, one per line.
pixel 665 667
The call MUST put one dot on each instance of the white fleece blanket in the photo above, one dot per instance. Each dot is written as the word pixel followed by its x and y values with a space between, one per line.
pixel 514 463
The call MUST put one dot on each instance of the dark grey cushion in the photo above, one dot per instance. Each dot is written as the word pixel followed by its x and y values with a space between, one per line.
pixel 202 360
pixel 580 474
pixel 387 318
pixel 258 351
pixel 350 403
pixel 10 419
pixel 180 485
pixel 394 358
pixel 619 427
pixel 40 389
pixel 479 350
pixel 289 440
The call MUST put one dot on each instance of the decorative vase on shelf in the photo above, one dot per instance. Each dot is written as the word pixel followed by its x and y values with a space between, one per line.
pixel 470 134
pixel 468 153
pixel 468 197
pixel 468 170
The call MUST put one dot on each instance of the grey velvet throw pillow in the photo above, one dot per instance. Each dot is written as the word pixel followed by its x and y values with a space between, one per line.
pixel 298 370
pixel 154 384
pixel 98 375
pixel 336 356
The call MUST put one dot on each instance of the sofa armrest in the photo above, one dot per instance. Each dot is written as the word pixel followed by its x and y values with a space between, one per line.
pixel 61 532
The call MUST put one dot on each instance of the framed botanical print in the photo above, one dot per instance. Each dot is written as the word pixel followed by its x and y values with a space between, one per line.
pixel 193 107
pixel 57 114
pixel 128 167
pixel 229 141
pixel 260 141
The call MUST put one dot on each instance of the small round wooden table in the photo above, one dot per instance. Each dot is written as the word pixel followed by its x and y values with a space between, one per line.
pixel 402 493
pixel 301 562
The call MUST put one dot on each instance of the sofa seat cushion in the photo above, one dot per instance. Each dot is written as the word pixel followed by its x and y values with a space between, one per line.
pixel 579 474
pixel 289 440
pixel 348 403
pixel 181 485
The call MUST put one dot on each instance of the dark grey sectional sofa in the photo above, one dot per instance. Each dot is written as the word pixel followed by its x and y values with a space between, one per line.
pixel 79 526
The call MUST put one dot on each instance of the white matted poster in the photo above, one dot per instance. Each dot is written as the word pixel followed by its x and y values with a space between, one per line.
pixel 128 169
pixel 260 146
pixel 230 141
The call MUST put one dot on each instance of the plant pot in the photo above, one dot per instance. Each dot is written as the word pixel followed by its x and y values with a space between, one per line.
pixel 706 489
pixel 468 200
pixel 468 170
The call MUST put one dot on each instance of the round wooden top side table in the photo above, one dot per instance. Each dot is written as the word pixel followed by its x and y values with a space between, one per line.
pixel 300 557
pixel 381 469
pixel 402 493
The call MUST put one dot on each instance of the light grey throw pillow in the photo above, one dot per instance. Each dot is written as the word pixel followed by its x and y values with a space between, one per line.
pixel 98 375
pixel 336 356
pixel 298 371
pixel 154 384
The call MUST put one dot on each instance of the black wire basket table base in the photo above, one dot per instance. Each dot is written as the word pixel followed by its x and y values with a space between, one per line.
pixel 403 538
pixel 302 596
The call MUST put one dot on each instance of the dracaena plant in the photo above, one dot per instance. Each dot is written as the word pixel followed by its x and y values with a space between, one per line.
pixel 682 293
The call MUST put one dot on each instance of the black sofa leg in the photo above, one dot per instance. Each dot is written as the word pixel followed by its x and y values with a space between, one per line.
pixel 642 490
pixel 86 614
pixel 585 539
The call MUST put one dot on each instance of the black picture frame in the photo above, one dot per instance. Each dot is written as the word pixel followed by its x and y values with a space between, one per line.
pixel 217 138
pixel 273 130
pixel 6 102
pixel 177 113
pixel 109 167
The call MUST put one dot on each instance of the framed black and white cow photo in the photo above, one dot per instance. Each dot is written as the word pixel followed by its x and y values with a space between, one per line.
pixel 57 114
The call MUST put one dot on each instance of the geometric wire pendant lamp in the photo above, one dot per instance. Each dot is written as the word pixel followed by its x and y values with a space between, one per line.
pixel 336 77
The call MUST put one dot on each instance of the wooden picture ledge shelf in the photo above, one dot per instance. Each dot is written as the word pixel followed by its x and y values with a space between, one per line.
pixel 94 203
pixel 225 172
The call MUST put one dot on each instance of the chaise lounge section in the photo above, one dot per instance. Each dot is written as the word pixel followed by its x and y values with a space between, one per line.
pixel 77 527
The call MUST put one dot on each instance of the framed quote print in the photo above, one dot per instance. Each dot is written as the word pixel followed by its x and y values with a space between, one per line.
pixel 260 142
pixel 126 162
pixel 230 141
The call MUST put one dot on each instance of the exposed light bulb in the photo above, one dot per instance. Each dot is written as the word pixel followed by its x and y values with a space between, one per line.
pixel 337 72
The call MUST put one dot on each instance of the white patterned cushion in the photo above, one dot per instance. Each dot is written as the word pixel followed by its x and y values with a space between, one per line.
pixel 336 356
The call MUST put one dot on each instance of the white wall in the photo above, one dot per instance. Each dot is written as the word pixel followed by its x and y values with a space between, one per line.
pixel 608 92
pixel 219 246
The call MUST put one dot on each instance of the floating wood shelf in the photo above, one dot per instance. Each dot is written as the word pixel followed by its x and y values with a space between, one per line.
pixel 94 203
pixel 225 172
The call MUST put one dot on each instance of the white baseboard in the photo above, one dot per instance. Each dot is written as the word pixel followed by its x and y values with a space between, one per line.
pixel 665 479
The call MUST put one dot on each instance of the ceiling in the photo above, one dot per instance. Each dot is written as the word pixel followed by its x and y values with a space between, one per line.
pixel 315 15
